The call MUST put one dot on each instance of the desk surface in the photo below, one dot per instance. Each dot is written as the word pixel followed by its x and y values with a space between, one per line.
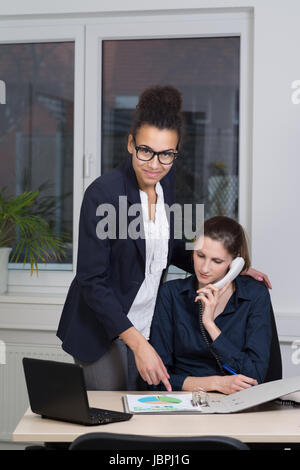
pixel 267 423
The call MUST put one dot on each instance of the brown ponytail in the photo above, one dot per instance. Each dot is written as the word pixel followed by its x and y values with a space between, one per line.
pixel 229 232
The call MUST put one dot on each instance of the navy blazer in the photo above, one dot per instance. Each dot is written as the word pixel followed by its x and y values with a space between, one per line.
pixel 109 271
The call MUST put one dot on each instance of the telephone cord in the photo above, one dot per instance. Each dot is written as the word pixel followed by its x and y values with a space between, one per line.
pixel 204 335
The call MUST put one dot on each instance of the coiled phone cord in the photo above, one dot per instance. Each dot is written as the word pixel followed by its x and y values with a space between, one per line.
pixel 204 335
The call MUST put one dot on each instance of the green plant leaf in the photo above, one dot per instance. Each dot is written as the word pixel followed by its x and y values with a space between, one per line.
pixel 32 234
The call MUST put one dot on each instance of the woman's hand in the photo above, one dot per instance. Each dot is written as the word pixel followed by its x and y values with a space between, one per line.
pixel 258 276
pixel 150 366
pixel 233 383
pixel 209 297
pixel 148 362
pixel 217 383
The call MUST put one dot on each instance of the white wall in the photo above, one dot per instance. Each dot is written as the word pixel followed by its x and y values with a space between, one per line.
pixel 276 124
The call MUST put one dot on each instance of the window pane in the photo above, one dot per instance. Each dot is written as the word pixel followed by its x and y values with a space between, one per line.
pixel 206 71
pixel 36 129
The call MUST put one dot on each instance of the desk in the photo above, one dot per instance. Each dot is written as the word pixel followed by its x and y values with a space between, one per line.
pixel 269 423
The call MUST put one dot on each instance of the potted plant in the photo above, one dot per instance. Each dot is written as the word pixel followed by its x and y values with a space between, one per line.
pixel 28 236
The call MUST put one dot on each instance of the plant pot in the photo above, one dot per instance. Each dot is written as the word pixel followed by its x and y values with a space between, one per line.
pixel 4 256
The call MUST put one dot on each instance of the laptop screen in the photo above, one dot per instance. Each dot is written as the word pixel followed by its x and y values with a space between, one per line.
pixel 56 389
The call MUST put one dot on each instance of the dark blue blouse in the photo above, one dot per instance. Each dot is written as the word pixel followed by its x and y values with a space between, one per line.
pixel 244 342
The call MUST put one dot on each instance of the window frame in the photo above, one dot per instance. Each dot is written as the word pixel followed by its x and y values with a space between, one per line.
pixel 52 278
pixel 88 33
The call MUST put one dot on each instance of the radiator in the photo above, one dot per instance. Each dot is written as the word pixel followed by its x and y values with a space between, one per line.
pixel 13 391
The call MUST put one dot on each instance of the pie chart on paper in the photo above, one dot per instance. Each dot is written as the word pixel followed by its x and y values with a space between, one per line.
pixel 157 400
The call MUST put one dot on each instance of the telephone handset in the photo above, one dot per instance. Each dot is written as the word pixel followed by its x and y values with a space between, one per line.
pixel 234 270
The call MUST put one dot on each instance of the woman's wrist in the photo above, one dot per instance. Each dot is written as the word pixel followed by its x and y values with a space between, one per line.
pixel 218 383
pixel 208 384
pixel 212 329
pixel 133 338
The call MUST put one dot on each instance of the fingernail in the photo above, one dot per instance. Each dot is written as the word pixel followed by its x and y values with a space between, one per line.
pixel 260 278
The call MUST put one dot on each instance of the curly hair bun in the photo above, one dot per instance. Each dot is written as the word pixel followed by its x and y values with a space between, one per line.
pixel 165 98
pixel 159 106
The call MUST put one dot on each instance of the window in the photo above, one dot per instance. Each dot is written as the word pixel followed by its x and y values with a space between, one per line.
pixel 207 73
pixel 41 135
pixel 216 152
pixel 70 96
pixel 36 130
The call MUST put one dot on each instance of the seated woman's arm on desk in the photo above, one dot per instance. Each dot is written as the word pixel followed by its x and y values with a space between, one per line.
pixel 249 355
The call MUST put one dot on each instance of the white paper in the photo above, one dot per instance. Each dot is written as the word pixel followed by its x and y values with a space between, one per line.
pixel 161 403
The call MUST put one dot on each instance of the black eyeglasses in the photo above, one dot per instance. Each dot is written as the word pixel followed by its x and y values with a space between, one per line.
pixel 144 153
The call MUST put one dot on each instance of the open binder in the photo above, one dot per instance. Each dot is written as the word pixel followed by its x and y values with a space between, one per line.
pixel 188 403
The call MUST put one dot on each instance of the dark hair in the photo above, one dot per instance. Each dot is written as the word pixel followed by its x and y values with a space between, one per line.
pixel 231 234
pixel 159 106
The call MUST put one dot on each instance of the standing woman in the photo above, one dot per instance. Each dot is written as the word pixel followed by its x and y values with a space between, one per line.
pixel 105 323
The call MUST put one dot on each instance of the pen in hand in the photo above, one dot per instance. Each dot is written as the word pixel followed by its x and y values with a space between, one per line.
pixel 232 371
pixel 229 369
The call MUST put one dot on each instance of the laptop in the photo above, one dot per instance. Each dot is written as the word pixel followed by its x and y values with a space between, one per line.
pixel 57 391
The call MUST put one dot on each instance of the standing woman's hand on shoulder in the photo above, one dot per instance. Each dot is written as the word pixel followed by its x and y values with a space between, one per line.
pixel 259 276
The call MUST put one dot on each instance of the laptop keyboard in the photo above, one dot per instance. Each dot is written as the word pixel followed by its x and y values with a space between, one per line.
pixel 100 416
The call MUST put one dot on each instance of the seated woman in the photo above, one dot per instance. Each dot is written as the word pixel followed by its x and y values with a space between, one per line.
pixel 236 318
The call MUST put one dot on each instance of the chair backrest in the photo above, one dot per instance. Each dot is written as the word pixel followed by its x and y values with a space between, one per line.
pixel 274 371
pixel 112 441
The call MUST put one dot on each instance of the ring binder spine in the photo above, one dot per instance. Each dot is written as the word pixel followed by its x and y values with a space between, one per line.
pixel 287 402
pixel 200 397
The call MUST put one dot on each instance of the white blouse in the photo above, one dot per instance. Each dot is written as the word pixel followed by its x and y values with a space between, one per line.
pixel 157 235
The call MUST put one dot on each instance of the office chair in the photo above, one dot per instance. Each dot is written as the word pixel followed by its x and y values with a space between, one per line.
pixel 112 441
pixel 274 371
